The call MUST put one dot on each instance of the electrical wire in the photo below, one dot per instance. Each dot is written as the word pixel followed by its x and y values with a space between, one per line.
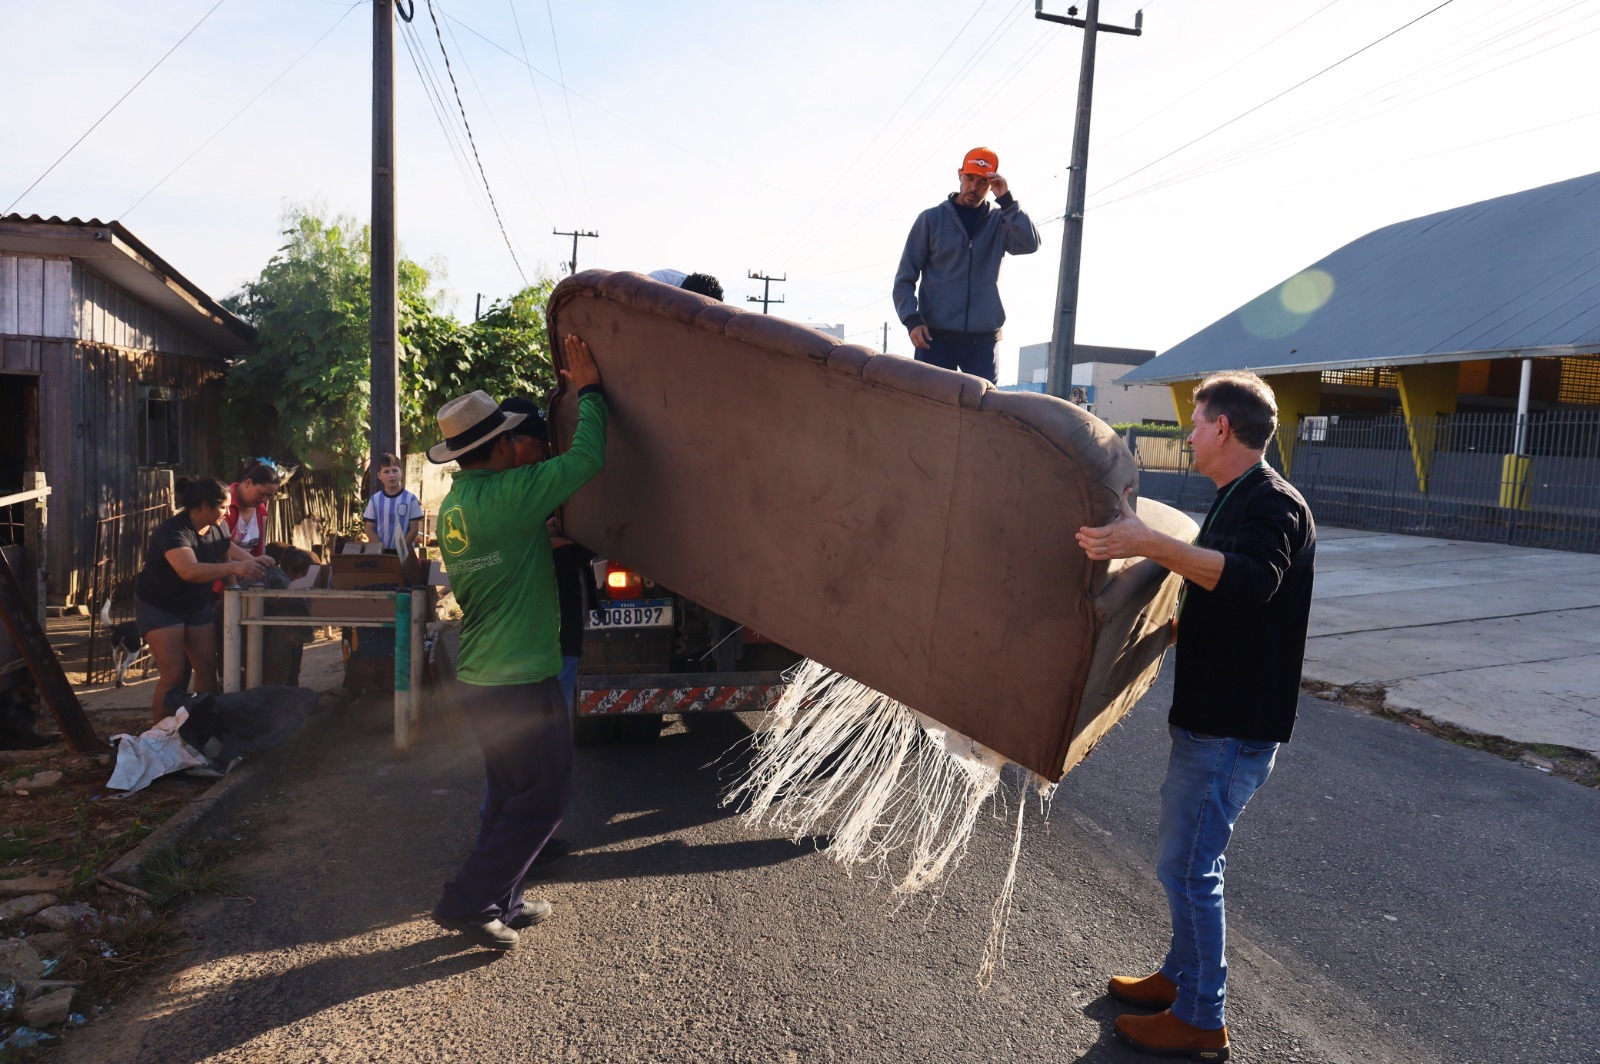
pixel 538 101
pixel 698 153
pixel 1275 97
pixel 218 131
pixel 1419 158
pixel 473 142
pixel 577 157
pixel 820 237
pixel 1345 112
pixel 1188 95
pixel 488 108
pixel 444 116
pixel 1354 111
pixel 896 112
pixel 113 107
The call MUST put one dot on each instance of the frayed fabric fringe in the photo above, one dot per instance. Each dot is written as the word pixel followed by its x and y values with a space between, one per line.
pixel 889 784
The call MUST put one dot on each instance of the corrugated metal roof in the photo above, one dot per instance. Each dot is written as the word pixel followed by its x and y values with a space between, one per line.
pixel 1514 275
pixel 111 250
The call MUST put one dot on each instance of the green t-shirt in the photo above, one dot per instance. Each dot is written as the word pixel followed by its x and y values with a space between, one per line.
pixel 497 552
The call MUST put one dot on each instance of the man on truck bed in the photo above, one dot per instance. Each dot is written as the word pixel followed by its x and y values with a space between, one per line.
pixel 510 654
pixel 954 316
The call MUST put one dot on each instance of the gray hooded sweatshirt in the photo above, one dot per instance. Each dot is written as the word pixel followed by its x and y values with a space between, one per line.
pixel 960 294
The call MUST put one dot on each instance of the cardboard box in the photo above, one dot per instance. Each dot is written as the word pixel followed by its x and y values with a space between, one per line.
pixel 368 570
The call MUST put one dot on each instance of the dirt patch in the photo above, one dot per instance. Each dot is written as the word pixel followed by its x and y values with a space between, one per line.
pixel 1579 766
pixel 74 824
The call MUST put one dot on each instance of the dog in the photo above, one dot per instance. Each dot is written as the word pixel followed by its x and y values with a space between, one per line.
pixel 291 561
pixel 284 646
pixel 19 717
pixel 127 646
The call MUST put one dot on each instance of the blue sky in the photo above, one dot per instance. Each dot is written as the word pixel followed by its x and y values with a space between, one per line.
pixel 803 138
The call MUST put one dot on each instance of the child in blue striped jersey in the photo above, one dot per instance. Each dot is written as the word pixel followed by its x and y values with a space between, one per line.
pixel 394 515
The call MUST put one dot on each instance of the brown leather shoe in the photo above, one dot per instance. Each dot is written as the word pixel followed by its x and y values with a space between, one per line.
pixel 1164 1035
pixel 1151 992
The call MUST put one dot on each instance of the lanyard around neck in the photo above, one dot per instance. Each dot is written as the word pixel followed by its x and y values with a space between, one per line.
pixel 1217 511
pixel 1183 595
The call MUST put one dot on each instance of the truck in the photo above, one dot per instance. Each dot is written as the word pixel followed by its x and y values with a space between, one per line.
pixel 649 652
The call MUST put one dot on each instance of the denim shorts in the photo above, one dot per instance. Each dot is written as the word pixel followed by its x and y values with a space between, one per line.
pixel 149 617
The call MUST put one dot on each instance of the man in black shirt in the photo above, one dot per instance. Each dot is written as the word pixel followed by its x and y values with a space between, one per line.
pixel 1241 642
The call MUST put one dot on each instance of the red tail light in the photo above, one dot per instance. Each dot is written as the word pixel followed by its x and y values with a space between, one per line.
pixel 622 583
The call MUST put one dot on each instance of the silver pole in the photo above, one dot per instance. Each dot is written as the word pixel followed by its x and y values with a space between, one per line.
pixel 230 639
pixel 1523 391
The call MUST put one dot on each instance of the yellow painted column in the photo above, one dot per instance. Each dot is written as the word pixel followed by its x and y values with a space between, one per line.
pixel 1426 394
pixel 1183 400
pixel 1299 395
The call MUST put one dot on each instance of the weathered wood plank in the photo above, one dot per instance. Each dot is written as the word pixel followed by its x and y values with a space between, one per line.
pixel 57 420
pixel 27 635
pixel 18 355
pixel 57 296
pixel 30 297
pixel 101 329
pixel 8 295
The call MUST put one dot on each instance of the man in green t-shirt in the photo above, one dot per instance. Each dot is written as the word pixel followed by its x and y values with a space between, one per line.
pixel 503 578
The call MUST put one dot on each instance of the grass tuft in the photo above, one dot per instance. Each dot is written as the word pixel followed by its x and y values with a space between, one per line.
pixel 204 870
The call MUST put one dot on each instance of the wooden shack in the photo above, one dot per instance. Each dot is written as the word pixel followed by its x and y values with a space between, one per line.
pixel 111 370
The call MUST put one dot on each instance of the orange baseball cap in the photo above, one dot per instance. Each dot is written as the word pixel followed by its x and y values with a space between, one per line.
pixel 980 161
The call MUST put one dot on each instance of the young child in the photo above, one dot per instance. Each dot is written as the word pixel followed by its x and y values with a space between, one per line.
pixel 394 515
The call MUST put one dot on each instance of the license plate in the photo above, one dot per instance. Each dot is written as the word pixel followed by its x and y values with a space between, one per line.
pixel 639 613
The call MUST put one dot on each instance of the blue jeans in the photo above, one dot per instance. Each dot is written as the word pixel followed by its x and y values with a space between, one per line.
pixel 1209 781
pixel 977 359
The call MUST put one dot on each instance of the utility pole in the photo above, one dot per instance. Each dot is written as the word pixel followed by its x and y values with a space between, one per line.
pixel 384 416
pixel 1058 381
pixel 766 289
pixel 886 338
pixel 572 267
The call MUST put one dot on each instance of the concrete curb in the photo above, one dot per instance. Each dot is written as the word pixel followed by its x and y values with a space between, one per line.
pixel 222 799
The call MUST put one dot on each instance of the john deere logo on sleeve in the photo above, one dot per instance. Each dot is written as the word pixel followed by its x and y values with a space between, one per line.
pixel 453 538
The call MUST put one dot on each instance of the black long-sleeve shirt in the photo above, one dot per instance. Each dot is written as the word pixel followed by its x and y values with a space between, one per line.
pixel 1241 645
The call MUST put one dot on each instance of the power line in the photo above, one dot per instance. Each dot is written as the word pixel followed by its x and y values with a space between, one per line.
pixel 898 108
pixel 539 102
pixel 1299 127
pixel 572 128
pixel 443 116
pixel 473 141
pixel 1189 94
pixel 1302 127
pixel 698 153
pixel 822 237
pixel 113 107
pixel 284 73
pixel 488 108
pixel 1277 96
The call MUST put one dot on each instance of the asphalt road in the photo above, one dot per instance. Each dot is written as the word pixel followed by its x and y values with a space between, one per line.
pixel 1391 898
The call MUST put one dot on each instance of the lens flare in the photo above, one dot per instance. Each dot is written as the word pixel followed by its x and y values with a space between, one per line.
pixel 1281 311
pixel 1307 291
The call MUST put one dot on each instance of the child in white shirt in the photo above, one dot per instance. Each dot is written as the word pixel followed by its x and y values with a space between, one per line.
pixel 394 515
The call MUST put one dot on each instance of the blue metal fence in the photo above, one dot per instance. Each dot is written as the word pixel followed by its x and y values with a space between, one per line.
pixel 1469 476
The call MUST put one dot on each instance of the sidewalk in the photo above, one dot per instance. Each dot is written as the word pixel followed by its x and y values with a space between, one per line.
pixel 1494 639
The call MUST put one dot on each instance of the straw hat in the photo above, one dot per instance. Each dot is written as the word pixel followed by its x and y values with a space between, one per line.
pixel 466 422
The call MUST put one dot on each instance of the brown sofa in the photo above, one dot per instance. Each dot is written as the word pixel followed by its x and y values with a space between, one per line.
pixel 905 525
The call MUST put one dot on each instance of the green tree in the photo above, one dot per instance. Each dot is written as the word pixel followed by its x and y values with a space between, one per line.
pixel 506 352
pixel 304 395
